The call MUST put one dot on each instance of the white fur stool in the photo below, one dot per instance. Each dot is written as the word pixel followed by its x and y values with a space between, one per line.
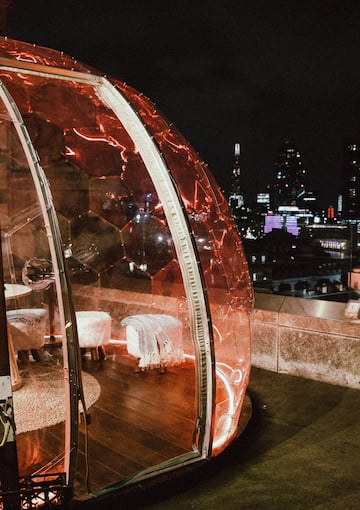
pixel 94 331
pixel 27 328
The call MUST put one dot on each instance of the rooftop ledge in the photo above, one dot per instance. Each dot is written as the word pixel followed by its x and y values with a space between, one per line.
pixel 306 337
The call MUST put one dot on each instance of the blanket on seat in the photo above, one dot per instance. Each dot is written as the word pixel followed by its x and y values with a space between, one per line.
pixel 155 339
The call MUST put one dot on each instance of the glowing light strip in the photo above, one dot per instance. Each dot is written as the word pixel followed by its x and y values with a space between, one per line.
pixel 109 140
pixel 222 438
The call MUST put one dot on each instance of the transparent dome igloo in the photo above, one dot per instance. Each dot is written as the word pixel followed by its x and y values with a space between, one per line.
pixel 126 287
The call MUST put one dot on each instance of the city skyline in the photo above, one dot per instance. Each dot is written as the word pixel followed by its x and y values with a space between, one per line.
pixel 254 73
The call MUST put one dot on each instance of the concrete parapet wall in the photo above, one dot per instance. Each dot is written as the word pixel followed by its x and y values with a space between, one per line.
pixel 306 337
pixel 121 303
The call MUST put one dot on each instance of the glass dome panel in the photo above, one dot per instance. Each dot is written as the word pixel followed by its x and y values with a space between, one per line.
pixel 223 263
pixel 25 52
pixel 39 372
pixel 117 240
pixel 159 285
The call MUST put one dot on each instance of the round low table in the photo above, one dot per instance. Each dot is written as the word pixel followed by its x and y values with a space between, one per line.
pixel 15 290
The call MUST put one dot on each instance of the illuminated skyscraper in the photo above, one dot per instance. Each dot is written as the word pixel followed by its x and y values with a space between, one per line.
pixel 289 185
pixel 351 179
pixel 236 199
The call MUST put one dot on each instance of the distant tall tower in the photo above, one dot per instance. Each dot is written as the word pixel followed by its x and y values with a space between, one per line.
pixel 236 199
pixel 351 179
pixel 289 185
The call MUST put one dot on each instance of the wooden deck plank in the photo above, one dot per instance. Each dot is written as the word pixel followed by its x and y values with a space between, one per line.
pixel 140 420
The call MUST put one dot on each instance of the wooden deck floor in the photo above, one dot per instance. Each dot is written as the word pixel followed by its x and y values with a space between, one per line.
pixel 141 419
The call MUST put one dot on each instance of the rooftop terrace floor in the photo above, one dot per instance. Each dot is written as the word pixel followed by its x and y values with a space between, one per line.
pixel 301 450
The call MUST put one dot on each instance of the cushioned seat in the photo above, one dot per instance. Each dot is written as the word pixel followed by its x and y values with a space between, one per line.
pixel 27 327
pixel 94 331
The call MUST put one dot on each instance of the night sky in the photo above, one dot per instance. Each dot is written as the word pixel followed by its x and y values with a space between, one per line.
pixel 255 72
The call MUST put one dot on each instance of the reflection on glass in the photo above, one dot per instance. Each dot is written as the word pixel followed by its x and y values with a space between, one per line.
pixel 147 243
pixel 39 393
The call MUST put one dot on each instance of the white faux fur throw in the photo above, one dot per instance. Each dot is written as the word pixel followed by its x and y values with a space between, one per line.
pixel 155 339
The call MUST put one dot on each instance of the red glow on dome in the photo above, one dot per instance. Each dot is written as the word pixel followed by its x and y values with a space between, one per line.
pixel 100 184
